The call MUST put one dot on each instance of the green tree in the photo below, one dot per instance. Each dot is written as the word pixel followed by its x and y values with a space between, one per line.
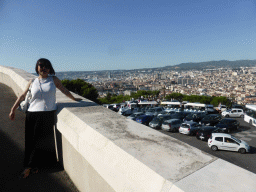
pixel 205 99
pixel 223 100
pixel 82 88
pixel 155 93
pixel 201 99
pixel 176 96
pixel 109 99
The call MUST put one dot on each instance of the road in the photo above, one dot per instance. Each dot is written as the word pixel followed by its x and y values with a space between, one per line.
pixel 245 132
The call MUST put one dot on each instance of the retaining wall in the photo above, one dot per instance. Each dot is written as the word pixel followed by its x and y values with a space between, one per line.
pixel 103 151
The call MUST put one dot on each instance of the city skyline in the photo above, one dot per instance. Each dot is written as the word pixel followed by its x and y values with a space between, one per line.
pixel 110 35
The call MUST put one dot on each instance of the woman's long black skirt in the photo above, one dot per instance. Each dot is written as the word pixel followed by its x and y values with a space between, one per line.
pixel 39 139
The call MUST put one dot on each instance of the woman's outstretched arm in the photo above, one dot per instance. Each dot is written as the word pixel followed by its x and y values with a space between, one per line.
pixel 63 89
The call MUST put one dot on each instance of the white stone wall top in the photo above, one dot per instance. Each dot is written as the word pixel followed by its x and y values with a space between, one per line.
pixel 167 156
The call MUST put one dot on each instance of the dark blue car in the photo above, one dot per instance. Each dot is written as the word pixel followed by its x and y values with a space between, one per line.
pixel 144 119
pixel 228 125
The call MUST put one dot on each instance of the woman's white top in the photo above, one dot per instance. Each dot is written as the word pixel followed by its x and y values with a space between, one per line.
pixel 43 95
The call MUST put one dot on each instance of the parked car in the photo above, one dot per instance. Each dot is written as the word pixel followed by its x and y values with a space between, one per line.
pixel 166 113
pixel 189 128
pixel 147 108
pixel 111 107
pixel 116 107
pixel 211 119
pixel 125 111
pixel 196 117
pixel 135 115
pixel 237 106
pixel 154 111
pixel 162 113
pixel 170 109
pixel 210 109
pixel 223 108
pixel 156 122
pixel 228 125
pixel 172 125
pixel 179 115
pixel 204 133
pixel 221 141
pixel 137 109
pixel 213 112
pixel 144 119
pixel 235 112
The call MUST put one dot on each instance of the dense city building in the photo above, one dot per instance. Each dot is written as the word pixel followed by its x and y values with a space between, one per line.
pixel 236 84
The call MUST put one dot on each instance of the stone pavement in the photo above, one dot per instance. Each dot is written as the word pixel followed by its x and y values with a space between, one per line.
pixel 51 178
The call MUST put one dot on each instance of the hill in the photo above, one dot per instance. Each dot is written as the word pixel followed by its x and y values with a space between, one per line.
pixel 212 65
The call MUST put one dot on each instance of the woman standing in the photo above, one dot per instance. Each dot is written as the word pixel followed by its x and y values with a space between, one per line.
pixel 40 116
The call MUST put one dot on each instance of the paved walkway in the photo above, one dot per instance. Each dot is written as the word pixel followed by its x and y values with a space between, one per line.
pixel 53 178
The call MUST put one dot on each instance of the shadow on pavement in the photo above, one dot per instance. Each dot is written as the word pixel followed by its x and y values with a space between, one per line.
pixel 252 150
pixel 11 166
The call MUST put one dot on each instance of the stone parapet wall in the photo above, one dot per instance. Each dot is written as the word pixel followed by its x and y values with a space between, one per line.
pixel 103 151
pixel 17 79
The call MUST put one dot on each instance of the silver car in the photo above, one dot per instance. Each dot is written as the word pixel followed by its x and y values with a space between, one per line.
pixel 235 112
pixel 154 111
pixel 172 125
pixel 189 128
pixel 222 141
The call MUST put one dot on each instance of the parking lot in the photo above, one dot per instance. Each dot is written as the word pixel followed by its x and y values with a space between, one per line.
pixel 245 132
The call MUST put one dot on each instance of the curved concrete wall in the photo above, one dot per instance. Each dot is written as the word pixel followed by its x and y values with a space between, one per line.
pixel 103 151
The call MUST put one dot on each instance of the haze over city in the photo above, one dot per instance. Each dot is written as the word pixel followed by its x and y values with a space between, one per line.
pixel 109 35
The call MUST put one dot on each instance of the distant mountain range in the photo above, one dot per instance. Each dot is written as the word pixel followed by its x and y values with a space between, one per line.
pixel 183 66
pixel 212 65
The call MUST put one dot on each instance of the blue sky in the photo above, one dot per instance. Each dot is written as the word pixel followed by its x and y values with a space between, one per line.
pixel 86 35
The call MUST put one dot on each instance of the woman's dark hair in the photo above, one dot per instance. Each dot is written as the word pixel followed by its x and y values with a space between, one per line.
pixel 45 62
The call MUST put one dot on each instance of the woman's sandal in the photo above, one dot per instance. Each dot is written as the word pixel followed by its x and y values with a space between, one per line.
pixel 28 171
pixel 25 173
